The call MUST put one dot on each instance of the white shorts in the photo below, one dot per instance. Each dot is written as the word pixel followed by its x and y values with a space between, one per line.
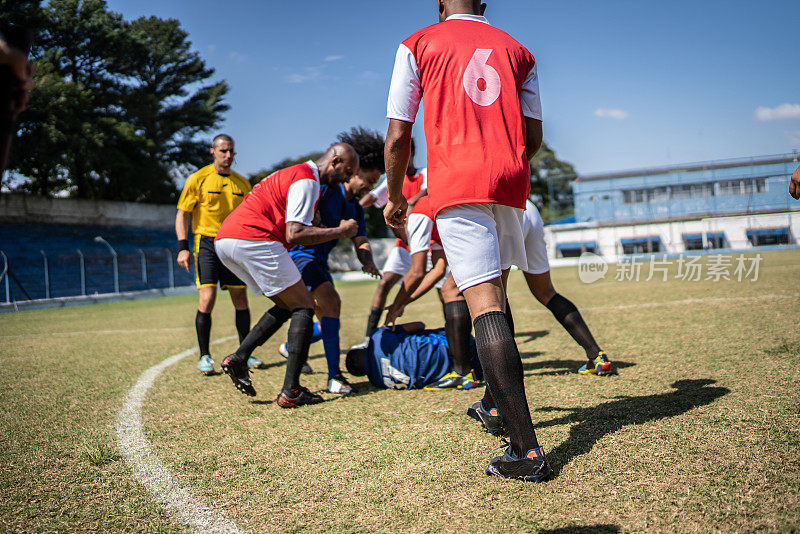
pixel 398 261
pixel 481 241
pixel 535 248
pixel 265 266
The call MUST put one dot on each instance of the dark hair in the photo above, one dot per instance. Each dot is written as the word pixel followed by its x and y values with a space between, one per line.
pixel 354 362
pixel 224 137
pixel 368 144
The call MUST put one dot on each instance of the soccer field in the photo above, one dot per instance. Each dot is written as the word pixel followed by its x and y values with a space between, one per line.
pixel 699 430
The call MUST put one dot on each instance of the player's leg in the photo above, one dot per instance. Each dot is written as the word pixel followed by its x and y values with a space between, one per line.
pixel 330 305
pixel 394 269
pixel 238 293
pixel 207 276
pixel 567 314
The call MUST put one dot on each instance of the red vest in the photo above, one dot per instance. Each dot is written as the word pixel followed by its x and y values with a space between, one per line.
pixel 411 186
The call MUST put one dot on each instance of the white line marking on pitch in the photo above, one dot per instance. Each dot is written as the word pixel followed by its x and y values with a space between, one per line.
pixel 147 468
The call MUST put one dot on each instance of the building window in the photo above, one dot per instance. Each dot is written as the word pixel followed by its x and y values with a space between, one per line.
pixel 768 236
pixel 693 241
pixel 743 186
pixel 574 250
pixel 641 245
pixel 716 240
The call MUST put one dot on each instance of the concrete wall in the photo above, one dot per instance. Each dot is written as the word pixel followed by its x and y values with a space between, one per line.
pixel 17 208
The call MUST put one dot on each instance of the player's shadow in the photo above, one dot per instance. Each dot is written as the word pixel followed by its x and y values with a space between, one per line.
pixel 558 367
pixel 598 421
pixel 583 529
pixel 530 335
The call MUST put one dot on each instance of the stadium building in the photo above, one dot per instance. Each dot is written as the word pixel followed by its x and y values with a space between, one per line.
pixel 740 204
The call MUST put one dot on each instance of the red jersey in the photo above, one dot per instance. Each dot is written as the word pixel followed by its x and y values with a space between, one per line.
pixel 411 186
pixel 262 214
pixel 477 81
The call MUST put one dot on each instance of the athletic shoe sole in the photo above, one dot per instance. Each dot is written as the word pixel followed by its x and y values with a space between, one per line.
pixel 527 470
pixel 284 401
pixel 246 387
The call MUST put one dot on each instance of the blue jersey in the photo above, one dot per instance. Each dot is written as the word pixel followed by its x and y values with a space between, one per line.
pixel 399 360
pixel 333 208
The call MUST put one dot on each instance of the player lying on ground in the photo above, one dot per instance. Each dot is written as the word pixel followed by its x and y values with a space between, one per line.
pixel 399 259
pixel 209 196
pixel 253 243
pixel 537 275
pixel 482 125
pixel 405 356
pixel 338 203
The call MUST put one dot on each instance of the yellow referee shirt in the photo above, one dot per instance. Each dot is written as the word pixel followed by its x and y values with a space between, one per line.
pixel 211 197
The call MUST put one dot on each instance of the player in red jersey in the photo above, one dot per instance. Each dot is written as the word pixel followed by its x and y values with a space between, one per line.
pixel 399 260
pixel 482 124
pixel 252 242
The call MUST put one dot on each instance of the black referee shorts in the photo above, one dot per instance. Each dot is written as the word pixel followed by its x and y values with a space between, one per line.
pixel 209 270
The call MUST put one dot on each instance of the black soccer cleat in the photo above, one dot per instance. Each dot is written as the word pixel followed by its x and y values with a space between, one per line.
pixel 297 397
pixel 239 373
pixel 532 467
pixel 490 420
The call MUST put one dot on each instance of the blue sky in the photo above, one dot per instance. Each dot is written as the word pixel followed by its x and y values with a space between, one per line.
pixel 624 83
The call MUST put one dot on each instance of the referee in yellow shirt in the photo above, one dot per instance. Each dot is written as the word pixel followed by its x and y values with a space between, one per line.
pixel 209 196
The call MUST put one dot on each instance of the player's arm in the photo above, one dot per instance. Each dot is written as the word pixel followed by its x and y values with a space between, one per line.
pixel 533 136
pixel 413 200
pixel 412 327
pixel 368 200
pixel 411 280
pixel 433 276
pixel 794 184
pixel 364 255
pixel 182 233
pixel 301 201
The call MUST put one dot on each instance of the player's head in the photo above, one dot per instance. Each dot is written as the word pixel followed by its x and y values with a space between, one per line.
pixel 368 144
pixel 451 7
pixel 354 362
pixel 223 152
pixel 338 164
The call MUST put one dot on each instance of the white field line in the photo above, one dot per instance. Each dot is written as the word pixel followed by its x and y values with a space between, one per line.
pixel 149 471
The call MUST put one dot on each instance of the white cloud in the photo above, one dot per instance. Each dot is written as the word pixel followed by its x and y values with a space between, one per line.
pixel 237 57
pixel 308 74
pixel 616 114
pixel 784 111
pixel 333 58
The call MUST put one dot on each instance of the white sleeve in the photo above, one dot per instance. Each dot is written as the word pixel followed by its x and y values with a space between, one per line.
pixel 405 91
pixel 419 233
pixel 301 200
pixel 381 194
pixel 529 98
pixel 424 173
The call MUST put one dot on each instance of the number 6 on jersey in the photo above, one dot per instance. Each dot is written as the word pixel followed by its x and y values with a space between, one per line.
pixel 481 81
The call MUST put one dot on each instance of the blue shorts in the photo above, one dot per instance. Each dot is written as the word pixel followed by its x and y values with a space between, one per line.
pixel 313 272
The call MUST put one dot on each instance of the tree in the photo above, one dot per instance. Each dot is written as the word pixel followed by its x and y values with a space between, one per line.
pixel 551 184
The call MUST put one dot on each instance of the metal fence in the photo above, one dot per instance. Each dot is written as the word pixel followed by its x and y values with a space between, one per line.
pixel 76 272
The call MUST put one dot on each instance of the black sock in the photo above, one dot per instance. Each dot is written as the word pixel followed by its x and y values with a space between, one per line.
pixel 298 340
pixel 269 323
pixel 374 319
pixel 243 323
pixel 202 323
pixel 457 328
pixel 502 368
pixel 570 318
pixel 510 318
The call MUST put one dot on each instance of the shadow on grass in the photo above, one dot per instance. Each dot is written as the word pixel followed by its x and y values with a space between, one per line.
pixel 560 367
pixel 606 418
pixel 530 335
pixel 583 529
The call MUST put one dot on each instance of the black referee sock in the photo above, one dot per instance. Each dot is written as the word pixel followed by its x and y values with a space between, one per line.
pixel 510 318
pixel 269 323
pixel 202 323
pixel 457 328
pixel 502 368
pixel 243 323
pixel 570 318
pixel 298 340
pixel 374 319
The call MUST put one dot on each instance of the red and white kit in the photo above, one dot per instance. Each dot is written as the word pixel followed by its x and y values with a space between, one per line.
pixel 399 259
pixel 479 85
pixel 252 240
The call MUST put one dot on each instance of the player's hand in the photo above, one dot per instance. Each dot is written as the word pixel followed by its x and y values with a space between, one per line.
pixel 794 184
pixel 185 259
pixel 349 228
pixel 372 270
pixel 395 213
pixel 392 314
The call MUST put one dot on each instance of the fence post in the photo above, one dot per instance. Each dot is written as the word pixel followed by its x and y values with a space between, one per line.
pixel 144 268
pixel 5 276
pixel 83 272
pixel 46 276
pixel 99 239
pixel 171 269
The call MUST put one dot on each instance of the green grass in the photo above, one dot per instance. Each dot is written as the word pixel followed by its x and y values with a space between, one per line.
pixel 699 431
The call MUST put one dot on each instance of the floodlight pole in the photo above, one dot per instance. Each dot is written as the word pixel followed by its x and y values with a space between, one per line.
pixel 99 239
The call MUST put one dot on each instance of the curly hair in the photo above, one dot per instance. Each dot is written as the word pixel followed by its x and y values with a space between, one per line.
pixel 368 144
